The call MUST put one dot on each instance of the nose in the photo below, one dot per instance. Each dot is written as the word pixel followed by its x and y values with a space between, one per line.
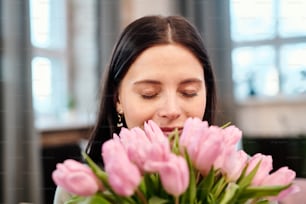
pixel 170 108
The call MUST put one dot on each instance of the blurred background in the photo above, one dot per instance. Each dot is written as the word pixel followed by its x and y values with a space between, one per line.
pixel 52 54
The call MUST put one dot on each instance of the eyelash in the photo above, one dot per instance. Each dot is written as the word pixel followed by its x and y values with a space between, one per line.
pixel 148 96
pixel 189 95
pixel 185 94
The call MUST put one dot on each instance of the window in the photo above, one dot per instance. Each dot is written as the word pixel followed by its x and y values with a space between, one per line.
pixel 49 60
pixel 269 47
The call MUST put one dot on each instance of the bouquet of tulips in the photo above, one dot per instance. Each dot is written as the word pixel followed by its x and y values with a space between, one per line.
pixel 201 164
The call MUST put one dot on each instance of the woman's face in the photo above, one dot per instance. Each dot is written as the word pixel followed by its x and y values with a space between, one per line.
pixel 165 84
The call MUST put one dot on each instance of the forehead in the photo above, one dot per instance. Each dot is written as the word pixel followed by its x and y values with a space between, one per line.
pixel 164 53
pixel 166 60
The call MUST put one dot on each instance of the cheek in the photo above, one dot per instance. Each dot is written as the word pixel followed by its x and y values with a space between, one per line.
pixel 136 115
pixel 196 108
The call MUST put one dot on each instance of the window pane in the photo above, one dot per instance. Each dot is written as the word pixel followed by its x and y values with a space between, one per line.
pixel 293 68
pixel 41 83
pixel 252 20
pixel 292 21
pixel 48 87
pixel 47 19
pixel 40 22
pixel 254 72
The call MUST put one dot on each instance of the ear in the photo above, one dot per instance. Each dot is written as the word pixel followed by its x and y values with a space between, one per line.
pixel 119 107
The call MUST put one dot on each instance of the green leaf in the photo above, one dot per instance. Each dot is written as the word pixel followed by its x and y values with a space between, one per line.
pixel 211 199
pixel 143 187
pixel 246 180
pixel 75 200
pixel 157 200
pixel 206 184
pixel 190 195
pixel 152 182
pixel 174 140
pixel 95 168
pixel 226 125
pixel 263 202
pixel 95 199
pixel 102 175
pixel 229 195
pixel 219 187
pixel 262 191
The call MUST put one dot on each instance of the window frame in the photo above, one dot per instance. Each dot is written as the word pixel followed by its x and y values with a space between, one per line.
pixel 276 43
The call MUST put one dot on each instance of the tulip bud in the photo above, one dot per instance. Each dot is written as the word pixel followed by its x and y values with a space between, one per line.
pixel 174 174
pixel 282 176
pixel 123 176
pixel 264 168
pixel 76 178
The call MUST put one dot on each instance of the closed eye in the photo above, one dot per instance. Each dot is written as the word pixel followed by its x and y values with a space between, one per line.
pixel 189 94
pixel 149 96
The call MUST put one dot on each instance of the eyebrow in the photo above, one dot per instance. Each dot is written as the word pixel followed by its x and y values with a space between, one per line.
pixel 147 81
pixel 191 80
pixel 186 81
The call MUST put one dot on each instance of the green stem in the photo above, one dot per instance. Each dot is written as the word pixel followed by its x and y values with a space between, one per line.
pixel 198 177
pixel 220 186
pixel 177 200
pixel 226 125
pixel 141 197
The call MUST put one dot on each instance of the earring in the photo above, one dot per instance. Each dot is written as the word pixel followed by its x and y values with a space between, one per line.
pixel 119 123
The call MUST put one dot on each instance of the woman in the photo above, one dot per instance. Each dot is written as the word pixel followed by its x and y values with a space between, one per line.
pixel 160 38
pixel 159 70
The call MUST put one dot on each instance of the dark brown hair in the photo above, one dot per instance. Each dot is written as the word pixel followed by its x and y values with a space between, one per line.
pixel 138 36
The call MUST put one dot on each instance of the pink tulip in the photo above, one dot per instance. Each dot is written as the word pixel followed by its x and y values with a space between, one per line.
pixel 193 127
pixel 154 133
pixel 160 143
pixel 202 143
pixel 264 168
pixel 232 135
pixel 208 150
pixel 234 163
pixel 282 176
pixel 174 174
pixel 76 178
pixel 143 146
pixel 123 176
pixel 137 146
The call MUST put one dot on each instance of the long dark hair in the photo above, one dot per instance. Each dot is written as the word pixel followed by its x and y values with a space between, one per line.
pixel 141 34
